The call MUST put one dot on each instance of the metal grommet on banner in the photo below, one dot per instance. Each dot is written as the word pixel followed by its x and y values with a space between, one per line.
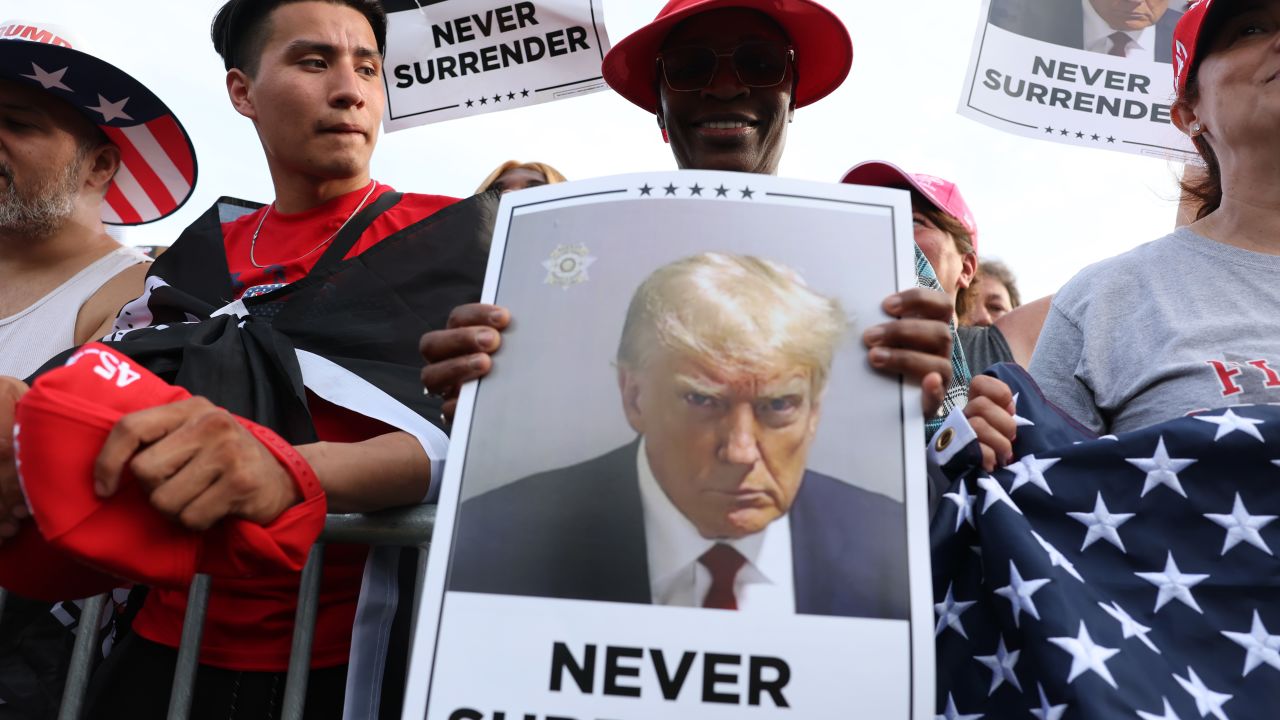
pixel 944 439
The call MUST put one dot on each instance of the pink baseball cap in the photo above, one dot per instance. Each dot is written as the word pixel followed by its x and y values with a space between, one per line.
pixel 1186 41
pixel 942 193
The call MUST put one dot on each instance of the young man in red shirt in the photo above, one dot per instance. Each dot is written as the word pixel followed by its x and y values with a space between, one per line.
pixel 308 74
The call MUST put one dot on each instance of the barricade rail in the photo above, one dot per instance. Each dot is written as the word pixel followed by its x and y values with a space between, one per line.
pixel 401 527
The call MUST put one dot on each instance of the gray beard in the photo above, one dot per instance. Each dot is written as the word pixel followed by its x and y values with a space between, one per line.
pixel 42 211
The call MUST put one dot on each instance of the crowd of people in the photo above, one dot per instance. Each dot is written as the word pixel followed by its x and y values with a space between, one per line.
pixel 233 312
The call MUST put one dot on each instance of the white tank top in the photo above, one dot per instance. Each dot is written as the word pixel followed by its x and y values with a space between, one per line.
pixel 47 327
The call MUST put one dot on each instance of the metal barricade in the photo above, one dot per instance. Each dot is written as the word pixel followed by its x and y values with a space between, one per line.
pixel 401 527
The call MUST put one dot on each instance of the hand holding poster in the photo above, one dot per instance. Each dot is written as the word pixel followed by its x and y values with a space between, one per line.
pixel 1092 73
pixel 455 58
pixel 682 492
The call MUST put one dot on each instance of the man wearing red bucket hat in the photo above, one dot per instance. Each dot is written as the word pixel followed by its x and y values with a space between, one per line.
pixel 82 144
pixel 723 79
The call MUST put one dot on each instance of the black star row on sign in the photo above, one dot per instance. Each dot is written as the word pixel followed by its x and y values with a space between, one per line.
pixel 694 191
pixel 524 93
pixel 1080 135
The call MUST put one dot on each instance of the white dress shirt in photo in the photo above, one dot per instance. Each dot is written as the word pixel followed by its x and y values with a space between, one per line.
pixel 765 583
pixel 1097 36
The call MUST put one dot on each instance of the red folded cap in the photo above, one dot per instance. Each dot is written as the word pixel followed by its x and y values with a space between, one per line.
pixel 62 424
pixel 34 569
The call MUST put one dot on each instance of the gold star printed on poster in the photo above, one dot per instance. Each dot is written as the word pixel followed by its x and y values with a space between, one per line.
pixel 568 265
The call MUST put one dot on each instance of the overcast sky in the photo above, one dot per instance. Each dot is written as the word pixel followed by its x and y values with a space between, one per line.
pixel 1047 210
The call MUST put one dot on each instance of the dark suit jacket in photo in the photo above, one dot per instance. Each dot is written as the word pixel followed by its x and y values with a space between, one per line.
pixel 1061 22
pixel 578 532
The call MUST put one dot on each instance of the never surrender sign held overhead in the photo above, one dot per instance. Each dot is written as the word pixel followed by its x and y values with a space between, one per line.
pixel 454 58
pixel 1091 73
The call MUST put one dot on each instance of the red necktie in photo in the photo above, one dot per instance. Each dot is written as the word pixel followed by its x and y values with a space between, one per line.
pixel 1119 44
pixel 724 563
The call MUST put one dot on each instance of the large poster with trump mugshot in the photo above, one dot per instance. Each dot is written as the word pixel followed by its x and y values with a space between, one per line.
pixel 1088 73
pixel 683 492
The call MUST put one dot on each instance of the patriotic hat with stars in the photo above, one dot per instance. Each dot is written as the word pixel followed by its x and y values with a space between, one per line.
pixel 158 162
pixel 942 193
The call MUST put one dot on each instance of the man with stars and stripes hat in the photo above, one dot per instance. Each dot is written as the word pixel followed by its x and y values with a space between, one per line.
pixel 82 143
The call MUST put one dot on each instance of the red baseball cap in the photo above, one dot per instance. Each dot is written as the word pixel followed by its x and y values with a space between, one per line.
pixel 942 193
pixel 34 569
pixel 1186 41
pixel 61 425
pixel 824 52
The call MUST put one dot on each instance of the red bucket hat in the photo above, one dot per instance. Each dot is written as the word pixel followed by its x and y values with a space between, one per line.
pixel 942 193
pixel 157 160
pixel 824 52
pixel 60 426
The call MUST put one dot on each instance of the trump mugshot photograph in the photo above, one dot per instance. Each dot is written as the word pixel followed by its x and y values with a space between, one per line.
pixel 1140 29
pixel 722 369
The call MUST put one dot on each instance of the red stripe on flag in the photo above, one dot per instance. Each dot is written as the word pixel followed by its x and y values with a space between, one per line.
pixel 120 204
pixel 147 179
pixel 170 136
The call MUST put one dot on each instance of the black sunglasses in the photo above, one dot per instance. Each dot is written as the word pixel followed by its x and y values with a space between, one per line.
pixel 757 64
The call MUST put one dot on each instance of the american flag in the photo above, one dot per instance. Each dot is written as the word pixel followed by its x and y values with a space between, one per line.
pixel 1129 576
pixel 158 164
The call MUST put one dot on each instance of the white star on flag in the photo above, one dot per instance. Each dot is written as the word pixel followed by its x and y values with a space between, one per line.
pixel 995 494
pixel 964 505
pixel 1161 469
pixel 1129 627
pixel 1102 523
pixel 1174 584
pixel 1241 525
pixel 1207 701
pixel 952 714
pixel 1262 646
pixel 1230 422
pixel 1001 666
pixel 949 612
pixel 1047 711
pixel 1019 421
pixel 1056 558
pixel 48 80
pixel 111 110
pixel 1031 470
pixel 1018 592
pixel 1168 713
pixel 1086 655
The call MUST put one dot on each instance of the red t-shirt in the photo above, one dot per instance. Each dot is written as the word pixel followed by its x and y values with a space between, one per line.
pixel 249 625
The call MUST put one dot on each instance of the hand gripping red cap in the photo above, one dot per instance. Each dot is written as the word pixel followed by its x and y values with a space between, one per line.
pixel 62 424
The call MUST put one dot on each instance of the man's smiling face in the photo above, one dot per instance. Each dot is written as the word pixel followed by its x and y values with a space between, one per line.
pixel 727 125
